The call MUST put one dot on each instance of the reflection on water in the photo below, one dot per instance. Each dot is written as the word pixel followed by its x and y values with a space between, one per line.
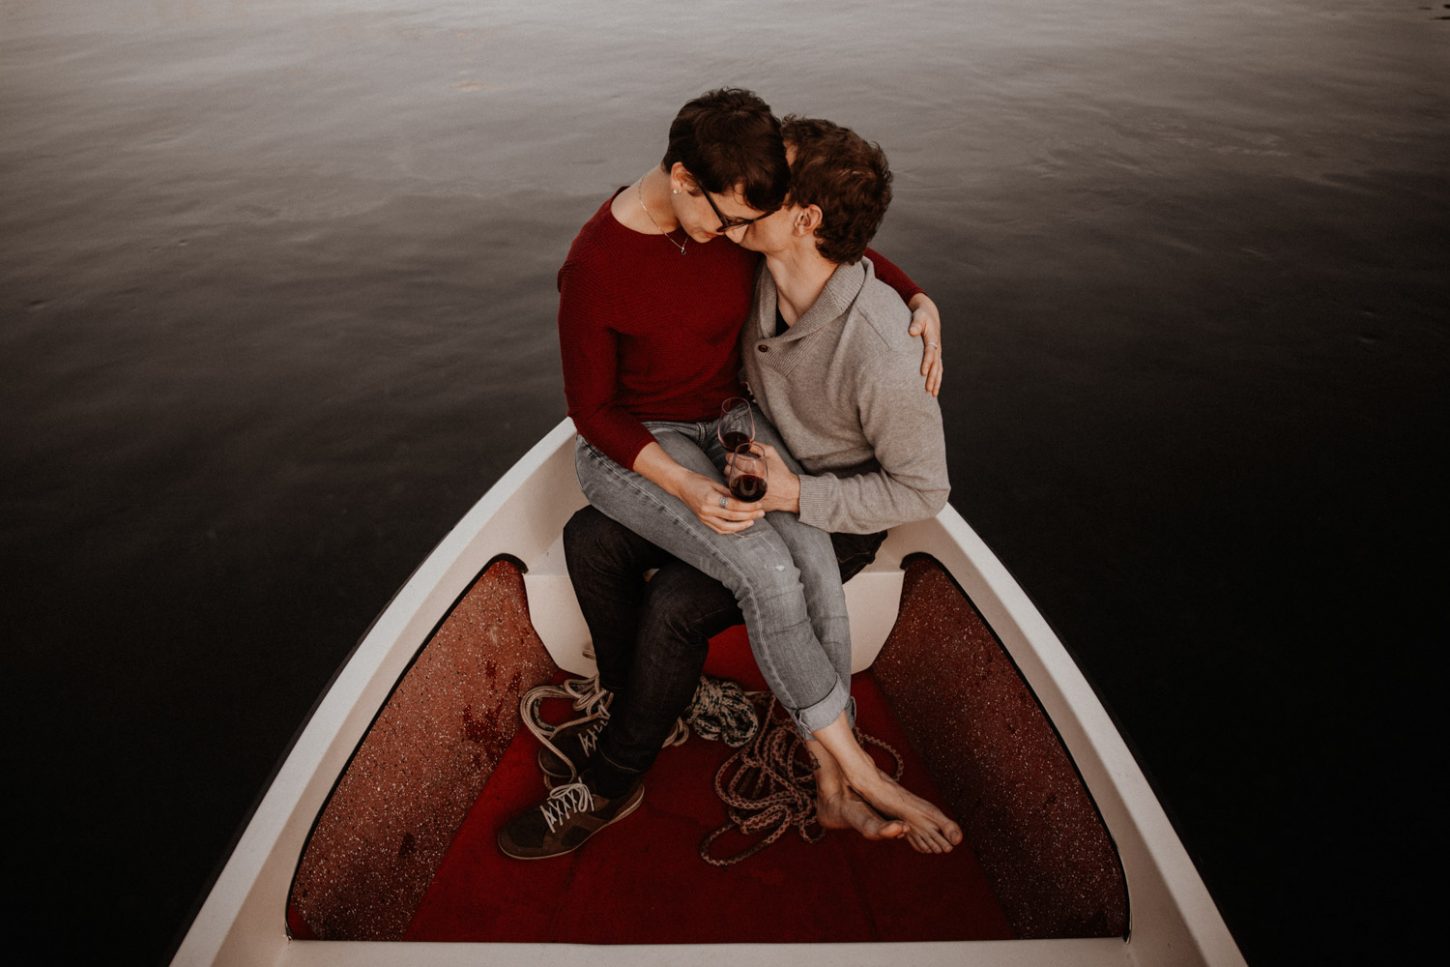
pixel 276 305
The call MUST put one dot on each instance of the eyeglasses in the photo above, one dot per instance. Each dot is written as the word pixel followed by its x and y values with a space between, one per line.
pixel 726 224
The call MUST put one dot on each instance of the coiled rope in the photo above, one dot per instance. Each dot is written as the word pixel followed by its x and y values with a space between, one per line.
pixel 720 711
pixel 770 787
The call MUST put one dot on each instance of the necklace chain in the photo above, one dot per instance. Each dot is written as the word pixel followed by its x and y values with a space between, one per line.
pixel 639 190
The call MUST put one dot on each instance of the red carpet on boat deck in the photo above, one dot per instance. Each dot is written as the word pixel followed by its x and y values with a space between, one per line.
pixel 642 880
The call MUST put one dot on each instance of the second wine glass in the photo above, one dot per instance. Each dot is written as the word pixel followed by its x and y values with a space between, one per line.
pixel 736 428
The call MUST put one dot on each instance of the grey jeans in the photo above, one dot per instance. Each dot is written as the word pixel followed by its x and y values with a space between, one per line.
pixel 782 572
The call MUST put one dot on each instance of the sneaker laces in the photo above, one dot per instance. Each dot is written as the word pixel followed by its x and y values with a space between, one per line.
pixel 564 801
pixel 589 738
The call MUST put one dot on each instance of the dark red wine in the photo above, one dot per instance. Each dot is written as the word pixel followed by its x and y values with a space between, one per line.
pixel 748 487
pixel 733 440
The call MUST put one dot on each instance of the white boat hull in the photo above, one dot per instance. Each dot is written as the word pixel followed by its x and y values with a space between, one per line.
pixel 242 922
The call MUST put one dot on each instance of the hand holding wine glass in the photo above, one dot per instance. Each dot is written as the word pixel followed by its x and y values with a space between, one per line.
pixel 785 486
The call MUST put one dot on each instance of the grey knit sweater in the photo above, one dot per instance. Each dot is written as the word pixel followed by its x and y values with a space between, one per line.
pixel 843 387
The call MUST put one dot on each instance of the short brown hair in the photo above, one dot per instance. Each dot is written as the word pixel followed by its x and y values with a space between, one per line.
pixel 844 175
pixel 728 139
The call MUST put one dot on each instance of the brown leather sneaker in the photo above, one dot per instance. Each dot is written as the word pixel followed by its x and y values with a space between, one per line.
pixel 564 821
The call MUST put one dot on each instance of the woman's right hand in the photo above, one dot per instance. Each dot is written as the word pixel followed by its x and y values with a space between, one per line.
pixel 696 491
pixel 711 502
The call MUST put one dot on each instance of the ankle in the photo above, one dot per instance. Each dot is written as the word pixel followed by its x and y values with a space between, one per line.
pixel 868 780
pixel 829 785
pixel 606 778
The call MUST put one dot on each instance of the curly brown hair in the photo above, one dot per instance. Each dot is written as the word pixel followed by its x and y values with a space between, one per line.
pixel 728 139
pixel 844 175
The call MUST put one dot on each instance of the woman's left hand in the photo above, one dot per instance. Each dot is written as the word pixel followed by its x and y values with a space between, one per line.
pixel 926 323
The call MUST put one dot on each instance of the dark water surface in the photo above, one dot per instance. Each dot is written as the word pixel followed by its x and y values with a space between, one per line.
pixel 276 306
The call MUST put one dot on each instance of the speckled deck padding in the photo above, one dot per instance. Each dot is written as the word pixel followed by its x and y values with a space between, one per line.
pixel 995 755
pixel 392 816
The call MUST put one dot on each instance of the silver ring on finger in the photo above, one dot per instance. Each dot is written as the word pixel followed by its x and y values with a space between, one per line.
pixel 722 503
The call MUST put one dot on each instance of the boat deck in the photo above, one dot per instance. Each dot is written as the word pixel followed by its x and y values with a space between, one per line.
pixel 644 881
pixel 405 847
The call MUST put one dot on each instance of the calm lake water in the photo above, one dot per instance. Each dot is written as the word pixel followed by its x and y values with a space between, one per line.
pixel 276 306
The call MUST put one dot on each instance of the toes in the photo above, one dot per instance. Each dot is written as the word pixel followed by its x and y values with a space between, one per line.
pixel 927 838
pixel 873 826
pixel 939 840
pixel 925 842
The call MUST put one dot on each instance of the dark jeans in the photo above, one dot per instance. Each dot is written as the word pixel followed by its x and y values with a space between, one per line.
pixel 651 638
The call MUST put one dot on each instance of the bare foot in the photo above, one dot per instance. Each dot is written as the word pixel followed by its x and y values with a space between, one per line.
pixel 846 810
pixel 842 761
pixel 930 829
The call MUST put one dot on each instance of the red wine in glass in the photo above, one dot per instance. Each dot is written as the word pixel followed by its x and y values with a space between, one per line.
pixel 736 427
pixel 733 440
pixel 748 487
pixel 745 472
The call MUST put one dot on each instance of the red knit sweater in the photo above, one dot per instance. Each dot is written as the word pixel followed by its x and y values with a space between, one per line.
pixel 649 334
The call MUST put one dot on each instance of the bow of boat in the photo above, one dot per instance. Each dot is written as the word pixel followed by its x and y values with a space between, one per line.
pixel 345 845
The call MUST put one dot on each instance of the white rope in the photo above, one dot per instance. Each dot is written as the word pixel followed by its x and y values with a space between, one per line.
pixel 584 694
pixel 720 711
pixel 592 701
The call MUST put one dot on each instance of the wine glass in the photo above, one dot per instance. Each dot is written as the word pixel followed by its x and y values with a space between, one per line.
pixel 736 427
pixel 745 473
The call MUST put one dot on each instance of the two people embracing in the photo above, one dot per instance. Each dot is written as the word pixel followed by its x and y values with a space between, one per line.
pixel 738 268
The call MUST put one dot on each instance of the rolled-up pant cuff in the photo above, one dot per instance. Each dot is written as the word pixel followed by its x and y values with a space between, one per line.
pixel 813 718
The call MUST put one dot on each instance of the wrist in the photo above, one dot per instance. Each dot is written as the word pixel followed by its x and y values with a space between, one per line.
pixel 792 493
pixel 676 480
